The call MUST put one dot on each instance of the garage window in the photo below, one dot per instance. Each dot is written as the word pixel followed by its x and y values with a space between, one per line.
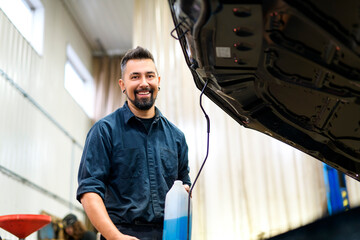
pixel 78 82
pixel 28 17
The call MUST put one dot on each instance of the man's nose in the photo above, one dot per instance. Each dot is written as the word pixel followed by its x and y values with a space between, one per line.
pixel 143 81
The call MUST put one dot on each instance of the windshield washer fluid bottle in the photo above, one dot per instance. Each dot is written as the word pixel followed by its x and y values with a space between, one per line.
pixel 176 213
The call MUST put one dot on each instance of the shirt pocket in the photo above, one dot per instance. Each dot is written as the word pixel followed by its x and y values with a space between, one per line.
pixel 169 162
pixel 128 163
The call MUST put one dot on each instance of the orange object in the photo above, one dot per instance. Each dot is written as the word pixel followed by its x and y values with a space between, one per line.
pixel 22 225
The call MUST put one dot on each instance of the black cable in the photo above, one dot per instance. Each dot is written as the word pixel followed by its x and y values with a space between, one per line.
pixel 202 165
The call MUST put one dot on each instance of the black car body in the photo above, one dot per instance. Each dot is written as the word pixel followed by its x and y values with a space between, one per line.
pixel 286 68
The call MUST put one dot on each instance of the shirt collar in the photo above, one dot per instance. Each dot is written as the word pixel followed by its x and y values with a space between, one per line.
pixel 128 114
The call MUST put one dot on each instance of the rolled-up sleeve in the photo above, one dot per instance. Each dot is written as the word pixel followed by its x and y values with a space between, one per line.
pixel 95 161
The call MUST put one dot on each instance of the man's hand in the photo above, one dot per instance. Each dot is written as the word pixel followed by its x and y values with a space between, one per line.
pixel 187 188
pixel 127 237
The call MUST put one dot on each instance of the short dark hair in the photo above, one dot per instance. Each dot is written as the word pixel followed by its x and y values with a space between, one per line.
pixel 69 220
pixel 136 53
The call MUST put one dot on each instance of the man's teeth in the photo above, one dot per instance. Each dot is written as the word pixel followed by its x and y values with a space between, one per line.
pixel 143 93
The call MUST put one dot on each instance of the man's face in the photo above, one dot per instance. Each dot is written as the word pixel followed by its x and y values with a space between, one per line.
pixel 140 82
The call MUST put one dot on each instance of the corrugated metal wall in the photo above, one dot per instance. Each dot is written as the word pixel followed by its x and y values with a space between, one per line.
pixel 41 128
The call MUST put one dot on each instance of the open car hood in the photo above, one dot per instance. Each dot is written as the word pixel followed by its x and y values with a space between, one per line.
pixel 286 68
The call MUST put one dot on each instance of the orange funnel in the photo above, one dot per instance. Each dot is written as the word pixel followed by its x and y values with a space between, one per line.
pixel 22 225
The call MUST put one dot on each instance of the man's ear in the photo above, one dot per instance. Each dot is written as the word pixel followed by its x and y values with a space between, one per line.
pixel 122 85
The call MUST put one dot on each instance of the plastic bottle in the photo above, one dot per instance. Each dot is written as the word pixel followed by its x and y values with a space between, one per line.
pixel 176 213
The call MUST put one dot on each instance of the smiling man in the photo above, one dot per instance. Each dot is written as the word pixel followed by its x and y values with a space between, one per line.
pixel 140 82
pixel 131 158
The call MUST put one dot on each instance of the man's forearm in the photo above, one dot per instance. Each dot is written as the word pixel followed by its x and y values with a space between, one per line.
pixel 96 211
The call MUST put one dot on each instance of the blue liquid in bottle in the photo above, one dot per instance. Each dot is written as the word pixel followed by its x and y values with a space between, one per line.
pixel 176 229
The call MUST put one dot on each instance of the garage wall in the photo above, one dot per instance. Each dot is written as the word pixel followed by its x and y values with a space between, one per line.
pixel 42 129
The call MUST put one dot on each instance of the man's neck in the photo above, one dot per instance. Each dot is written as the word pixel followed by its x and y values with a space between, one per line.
pixel 142 113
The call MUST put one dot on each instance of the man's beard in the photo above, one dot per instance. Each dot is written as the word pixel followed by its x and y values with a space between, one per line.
pixel 144 103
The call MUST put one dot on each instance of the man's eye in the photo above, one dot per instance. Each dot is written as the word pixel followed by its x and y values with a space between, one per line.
pixel 134 77
pixel 151 76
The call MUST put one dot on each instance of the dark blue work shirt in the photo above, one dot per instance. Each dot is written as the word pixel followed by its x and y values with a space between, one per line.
pixel 131 168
